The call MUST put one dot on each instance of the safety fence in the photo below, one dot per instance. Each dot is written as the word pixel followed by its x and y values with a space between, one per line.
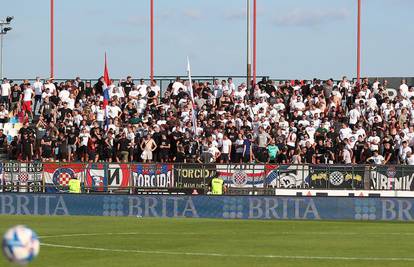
pixel 261 179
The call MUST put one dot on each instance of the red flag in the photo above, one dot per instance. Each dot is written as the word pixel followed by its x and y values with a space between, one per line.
pixel 106 73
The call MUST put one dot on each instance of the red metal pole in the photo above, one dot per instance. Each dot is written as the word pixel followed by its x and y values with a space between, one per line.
pixel 152 40
pixel 254 40
pixel 359 44
pixel 52 26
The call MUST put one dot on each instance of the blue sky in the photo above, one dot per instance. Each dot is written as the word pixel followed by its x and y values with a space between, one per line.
pixel 296 38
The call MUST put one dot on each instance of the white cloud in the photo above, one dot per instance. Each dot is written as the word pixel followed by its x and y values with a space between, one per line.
pixel 192 13
pixel 117 39
pixel 236 15
pixel 301 17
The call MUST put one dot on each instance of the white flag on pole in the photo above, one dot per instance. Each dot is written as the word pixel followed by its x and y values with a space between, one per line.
pixel 193 111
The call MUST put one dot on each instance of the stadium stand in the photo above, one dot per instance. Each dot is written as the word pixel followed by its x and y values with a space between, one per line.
pixel 275 122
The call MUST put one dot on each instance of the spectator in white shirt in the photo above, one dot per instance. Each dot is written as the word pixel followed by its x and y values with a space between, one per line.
pixel 49 84
pixel 27 99
pixel 410 158
pixel 354 115
pixel 346 155
pixel 231 85
pixel 176 86
pixel 38 89
pixel 5 92
pixel 345 132
pixel 155 88
pixel 226 149
pixel 404 150
pixel 403 88
pixel 376 158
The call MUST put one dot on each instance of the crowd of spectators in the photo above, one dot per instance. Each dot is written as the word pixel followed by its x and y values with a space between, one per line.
pixel 290 122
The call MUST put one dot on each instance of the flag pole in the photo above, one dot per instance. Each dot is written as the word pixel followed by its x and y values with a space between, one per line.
pixel 152 39
pixel 254 40
pixel 249 64
pixel 359 44
pixel 52 26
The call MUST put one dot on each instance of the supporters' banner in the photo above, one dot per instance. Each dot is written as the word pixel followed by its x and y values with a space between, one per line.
pixel 243 175
pixel 287 176
pixel 392 178
pixel 194 175
pixel 153 175
pixel 101 177
pixel 57 176
pixel 170 191
pixel 336 177
pixel 21 177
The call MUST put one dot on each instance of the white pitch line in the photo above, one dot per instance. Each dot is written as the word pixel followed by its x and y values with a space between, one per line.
pixel 231 255
pixel 98 234
pixel 269 233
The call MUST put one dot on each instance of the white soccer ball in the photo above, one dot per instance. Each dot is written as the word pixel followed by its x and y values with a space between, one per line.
pixel 20 245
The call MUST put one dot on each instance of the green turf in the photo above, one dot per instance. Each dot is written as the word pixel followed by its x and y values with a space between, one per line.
pixel 225 237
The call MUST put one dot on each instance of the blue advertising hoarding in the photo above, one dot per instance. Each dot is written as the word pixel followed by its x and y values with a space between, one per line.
pixel 243 207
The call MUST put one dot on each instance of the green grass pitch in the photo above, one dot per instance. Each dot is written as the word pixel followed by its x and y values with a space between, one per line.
pixel 122 241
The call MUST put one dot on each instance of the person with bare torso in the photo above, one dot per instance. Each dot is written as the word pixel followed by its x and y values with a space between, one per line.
pixel 148 146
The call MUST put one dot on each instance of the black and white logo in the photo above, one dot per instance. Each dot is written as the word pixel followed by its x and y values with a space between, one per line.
pixel 336 178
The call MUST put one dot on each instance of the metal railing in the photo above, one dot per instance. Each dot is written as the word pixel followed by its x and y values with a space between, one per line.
pixel 162 81
pixel 196 178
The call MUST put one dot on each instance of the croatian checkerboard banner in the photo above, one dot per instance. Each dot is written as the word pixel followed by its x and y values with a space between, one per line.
pixel 57 176
pixel 243 175
pixel 21 177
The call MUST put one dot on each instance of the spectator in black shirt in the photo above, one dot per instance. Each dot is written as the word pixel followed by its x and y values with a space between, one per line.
pixel 3 141
pixel 310 152
pixel 164 148
pixel 180 155
pixel 26 147
pixel 16 96
pixel 282 158
pixel 127 85
pixel 62 146
pixel 46 145
pixel 389 154
pixel 123 148
pixel 14 149
pixel 99 87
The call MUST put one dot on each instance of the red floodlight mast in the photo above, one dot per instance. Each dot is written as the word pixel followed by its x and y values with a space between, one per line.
pixel 52 48
pixel 152 40
pixel 249 62
pixel 359 44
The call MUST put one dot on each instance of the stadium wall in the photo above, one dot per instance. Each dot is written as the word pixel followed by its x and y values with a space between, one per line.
pixel 221 207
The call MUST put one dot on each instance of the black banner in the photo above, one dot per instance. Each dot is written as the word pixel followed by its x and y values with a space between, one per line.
pixel 194 175
pixel 337 177
pixel 392 178
pixel 170 191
